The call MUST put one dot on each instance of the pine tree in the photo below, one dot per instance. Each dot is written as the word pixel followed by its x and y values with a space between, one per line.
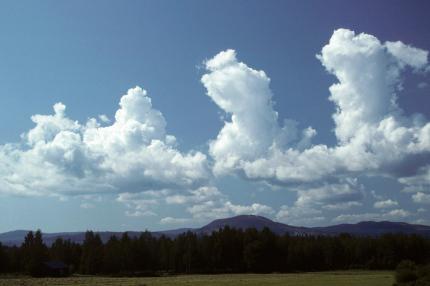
pixel 92 254
pixel 35 254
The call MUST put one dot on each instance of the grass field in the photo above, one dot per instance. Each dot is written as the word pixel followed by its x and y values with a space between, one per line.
pixel 353 278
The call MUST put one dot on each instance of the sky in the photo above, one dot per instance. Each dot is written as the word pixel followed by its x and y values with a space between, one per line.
pixel 133 115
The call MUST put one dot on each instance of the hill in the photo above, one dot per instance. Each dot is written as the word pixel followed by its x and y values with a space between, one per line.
pixel 366 228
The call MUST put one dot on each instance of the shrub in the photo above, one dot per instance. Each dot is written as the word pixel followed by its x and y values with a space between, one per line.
pixel 424 272
pixel 406 272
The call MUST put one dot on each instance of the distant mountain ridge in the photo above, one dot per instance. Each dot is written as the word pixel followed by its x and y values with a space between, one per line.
pixel 252 221
pixel 365 228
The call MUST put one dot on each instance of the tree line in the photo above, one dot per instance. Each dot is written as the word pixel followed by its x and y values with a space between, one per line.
pixel 225 251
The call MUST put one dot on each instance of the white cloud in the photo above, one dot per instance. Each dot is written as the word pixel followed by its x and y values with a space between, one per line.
pixel 217 205
pixel 408 55
pixel 313 202
pixel 201 194
pixel 296 215
pixel 244 94
pixel 172 220
pixel 342 206
pixel 422 85
pixel 385 204
pixel 374 136
pixel 88 201
pixel 140 204
pixel 87 205
pixel 137 213
pixel 397 214
pixel 422 221
pixel 421 198
pixel 220 209
pixel 418 182
pixel 103 118
pixel 353 218
pixel 254 208
pixel 331 196
pixel 134 153
pixel 133 156
pixel 375 195
pixel 203 204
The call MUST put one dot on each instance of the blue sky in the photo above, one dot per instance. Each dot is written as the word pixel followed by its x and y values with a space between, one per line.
pixel 61 175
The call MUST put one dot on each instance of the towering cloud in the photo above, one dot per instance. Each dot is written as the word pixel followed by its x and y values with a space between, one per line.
pixel 371 129
pixel 253 133
pixel 243 93
pixel 374 136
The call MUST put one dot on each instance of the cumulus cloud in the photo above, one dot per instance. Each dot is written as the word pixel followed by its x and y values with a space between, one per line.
pixel 244 94
pixel 314 203
pixel 87 205
pixel 397 214
pixel 408 55
pixel 374 137
pixel 296 215
pixel 331 196
pixel 138 204
pixel 61 156
pixel 206 203
pixel 224 208
pixel 202 204
pixel 421 198
pixel 418 182
pixel 172 220
pixel 372 132
pixel 133 156
pixel 103 118
pixel 385 204
pixel 199 195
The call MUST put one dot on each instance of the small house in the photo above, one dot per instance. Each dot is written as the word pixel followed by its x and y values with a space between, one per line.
pixel 56 269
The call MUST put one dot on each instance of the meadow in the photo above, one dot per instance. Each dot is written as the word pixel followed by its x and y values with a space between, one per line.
pixel 341 278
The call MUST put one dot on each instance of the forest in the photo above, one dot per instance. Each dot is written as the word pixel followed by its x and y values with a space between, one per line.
pixel 225 251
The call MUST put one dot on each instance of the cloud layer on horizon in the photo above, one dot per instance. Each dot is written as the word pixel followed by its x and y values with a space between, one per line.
pixel 134 158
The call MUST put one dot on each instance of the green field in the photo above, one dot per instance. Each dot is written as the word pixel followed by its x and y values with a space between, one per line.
pixel 353 278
